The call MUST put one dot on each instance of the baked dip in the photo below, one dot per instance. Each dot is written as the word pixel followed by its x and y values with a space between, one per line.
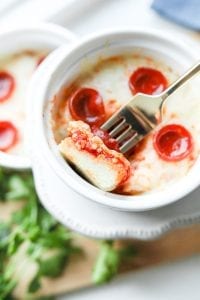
pixel 163 157
pixel 16 71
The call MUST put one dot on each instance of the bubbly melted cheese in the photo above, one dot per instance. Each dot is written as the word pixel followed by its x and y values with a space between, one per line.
pixel 21 66
pixel 110 78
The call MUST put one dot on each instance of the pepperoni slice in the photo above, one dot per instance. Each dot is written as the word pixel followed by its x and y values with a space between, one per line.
pixel 108 141
pixel 86 104
pixel 147 81
pixel 8 135
pixel 7 84
pixel 173 142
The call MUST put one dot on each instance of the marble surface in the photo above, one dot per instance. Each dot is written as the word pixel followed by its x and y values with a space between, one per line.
pixel 177 281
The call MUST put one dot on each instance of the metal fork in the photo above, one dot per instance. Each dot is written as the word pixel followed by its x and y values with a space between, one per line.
pixel 138 117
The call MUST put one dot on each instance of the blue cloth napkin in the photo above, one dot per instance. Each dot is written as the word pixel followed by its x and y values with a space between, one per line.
pixel 183 12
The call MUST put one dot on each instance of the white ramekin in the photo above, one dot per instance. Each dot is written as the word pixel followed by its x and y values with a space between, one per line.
pixel 64 64
pixel 40 36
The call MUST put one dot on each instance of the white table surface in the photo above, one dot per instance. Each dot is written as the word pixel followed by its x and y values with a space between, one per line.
pixel 174 281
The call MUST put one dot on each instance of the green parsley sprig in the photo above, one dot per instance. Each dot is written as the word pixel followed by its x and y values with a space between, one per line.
pixel 34 226
pixel 49 244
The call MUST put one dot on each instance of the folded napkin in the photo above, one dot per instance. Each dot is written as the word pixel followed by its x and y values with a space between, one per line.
pixel 183 12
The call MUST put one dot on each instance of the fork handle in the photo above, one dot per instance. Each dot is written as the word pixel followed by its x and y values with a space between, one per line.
pixel 180 81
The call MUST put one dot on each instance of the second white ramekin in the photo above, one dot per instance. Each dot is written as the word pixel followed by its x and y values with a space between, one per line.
pixel 41 36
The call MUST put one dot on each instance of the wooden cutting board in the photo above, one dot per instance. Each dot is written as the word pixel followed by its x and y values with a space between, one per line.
pixel 175 245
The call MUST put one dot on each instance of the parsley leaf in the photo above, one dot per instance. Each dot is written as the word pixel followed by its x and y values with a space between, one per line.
pixel 7 284
pixel 34 285
pixel 107 263
pixel 52 266
pixel 109 260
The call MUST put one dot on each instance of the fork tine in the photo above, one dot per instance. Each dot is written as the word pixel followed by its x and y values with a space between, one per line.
pixel 111 122
pixel 119 128
pixel 129 132
pixel 128 145
pixel 128 126
pixel 135 120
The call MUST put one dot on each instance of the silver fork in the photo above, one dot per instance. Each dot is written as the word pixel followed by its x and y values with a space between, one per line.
pixel 138 117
